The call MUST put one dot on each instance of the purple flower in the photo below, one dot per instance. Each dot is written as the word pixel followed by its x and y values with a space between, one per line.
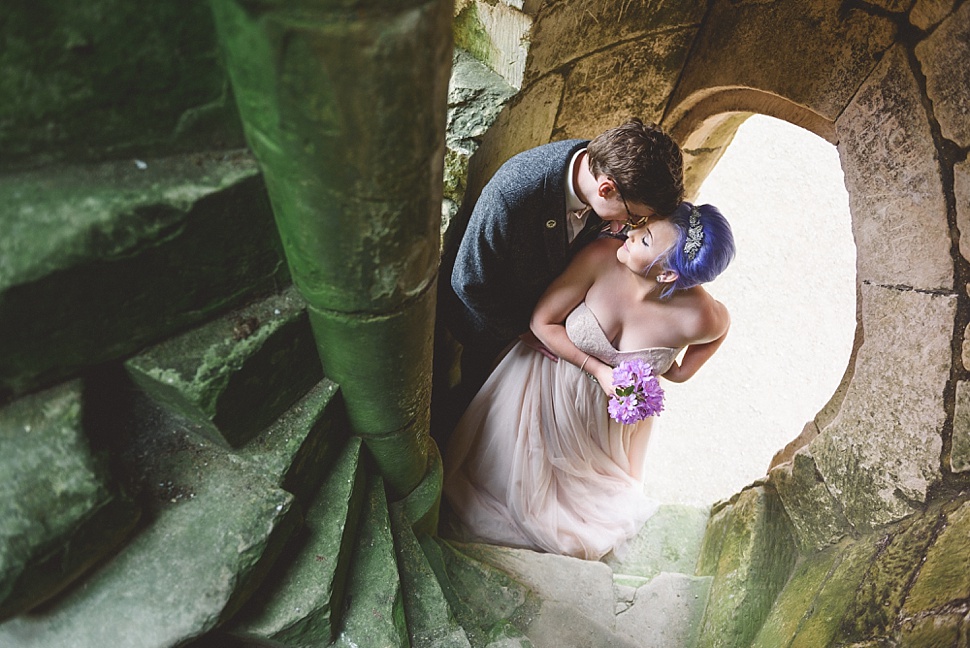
pixel 638 392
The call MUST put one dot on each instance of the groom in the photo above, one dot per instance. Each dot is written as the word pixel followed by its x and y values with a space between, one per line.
pixel 538 209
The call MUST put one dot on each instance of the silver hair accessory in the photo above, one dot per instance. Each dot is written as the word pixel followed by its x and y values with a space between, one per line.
pixel 695 235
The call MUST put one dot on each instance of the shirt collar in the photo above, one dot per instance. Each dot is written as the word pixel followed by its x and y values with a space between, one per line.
pixel 573 202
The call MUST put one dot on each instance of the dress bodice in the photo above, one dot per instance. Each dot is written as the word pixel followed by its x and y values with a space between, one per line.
pixel 585 331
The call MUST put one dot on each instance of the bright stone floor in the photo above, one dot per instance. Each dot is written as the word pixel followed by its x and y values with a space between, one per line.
pixel 791 294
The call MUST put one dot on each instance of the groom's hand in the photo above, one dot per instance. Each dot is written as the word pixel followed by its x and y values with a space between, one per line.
pixel 530 340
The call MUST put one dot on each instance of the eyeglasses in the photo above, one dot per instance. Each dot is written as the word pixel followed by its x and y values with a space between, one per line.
pixel 632 221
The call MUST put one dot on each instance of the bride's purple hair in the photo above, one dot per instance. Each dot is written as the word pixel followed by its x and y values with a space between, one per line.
pixel 714 254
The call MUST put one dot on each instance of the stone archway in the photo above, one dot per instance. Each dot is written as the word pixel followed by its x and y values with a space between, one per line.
pixel 874 451
pixel 792 298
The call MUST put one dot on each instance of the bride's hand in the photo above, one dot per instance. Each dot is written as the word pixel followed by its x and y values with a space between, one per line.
pixel 530 340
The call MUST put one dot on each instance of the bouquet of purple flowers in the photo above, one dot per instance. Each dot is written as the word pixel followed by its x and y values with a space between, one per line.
pixel 638 392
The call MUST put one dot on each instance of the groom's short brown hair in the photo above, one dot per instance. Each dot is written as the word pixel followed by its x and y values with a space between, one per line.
pixel 644 162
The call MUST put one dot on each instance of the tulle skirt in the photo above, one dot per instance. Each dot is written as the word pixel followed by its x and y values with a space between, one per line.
pixel 537 462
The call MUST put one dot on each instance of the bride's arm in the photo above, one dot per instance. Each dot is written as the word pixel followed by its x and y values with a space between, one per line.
pixel 563 295
pixel 716 325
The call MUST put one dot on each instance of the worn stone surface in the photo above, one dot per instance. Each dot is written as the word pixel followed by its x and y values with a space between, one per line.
pixel 497 34
pixel 476 95
pixel 928 13
pixel 943 57
pixel 60 509
pixel 795 600
pixel 527 121
pixel 491 607
pixel 960 445
pixel 755 555
pixel 236 374
pixel 567 32
pixel 430 620
pixel 815 515
pixel 176 579
pixel 961 189
pixel 893 177
pixel 376 617
pixel 558 624
pixel 648 69
pixel 98 261
pixel 666 611
pixel 825 618
pixel 942 630
pixel 670 541
pixel 111 79
pixel 881 593
pixel 301 604
pixel 297 450
pixel 740 45
pixel 943 576
pixel 882 451
pixel 554 578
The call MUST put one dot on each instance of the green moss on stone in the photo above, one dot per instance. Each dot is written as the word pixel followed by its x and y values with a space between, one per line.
pixel 99 261
pixel 237 374
pixel 881 593
pixel 107 78
pixel 60 509
pixel 757 553
pixel 945 574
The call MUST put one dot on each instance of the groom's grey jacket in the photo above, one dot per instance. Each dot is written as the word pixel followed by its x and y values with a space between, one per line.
pixel 515 244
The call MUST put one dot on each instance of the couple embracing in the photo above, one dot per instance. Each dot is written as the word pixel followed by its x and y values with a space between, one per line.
pixel 580 256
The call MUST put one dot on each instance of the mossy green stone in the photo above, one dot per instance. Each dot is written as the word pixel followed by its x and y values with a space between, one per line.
pixel 99 261
pixel 755 560
pixel 297 450
pixel 944 576
pixel 107 78
pixel 375 615
pixel 236 374
pixel 176 579
pixel 300 605
pixel 431 622
pixel 60 509
pixel 816 516
pixel 421 505
pixel 670 541
pixel 796 600
pixel 935 631
pixel 491 606
pixel 828 612
pixel 880 595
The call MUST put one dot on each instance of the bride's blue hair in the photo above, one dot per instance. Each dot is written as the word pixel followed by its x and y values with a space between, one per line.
pixel 714 254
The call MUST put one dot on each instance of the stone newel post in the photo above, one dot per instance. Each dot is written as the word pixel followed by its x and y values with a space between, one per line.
pixel 344 107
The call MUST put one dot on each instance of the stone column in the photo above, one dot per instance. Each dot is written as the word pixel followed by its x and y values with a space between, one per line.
pixel 343 103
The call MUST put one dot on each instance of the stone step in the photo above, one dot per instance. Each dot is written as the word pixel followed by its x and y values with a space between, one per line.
pixel 214 523
pixel 375 606
pixel 664 612
pixel 582 603
pixel 61 510
pixel 491 607
pixel 234 375
pixel 670 541
pixel 430 620
pixel 99 260
pixel 301 604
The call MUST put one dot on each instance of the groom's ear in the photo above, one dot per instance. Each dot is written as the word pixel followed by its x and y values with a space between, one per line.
pixel 605 186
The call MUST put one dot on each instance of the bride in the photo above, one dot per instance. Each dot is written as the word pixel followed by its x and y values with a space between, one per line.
pixel 536 461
